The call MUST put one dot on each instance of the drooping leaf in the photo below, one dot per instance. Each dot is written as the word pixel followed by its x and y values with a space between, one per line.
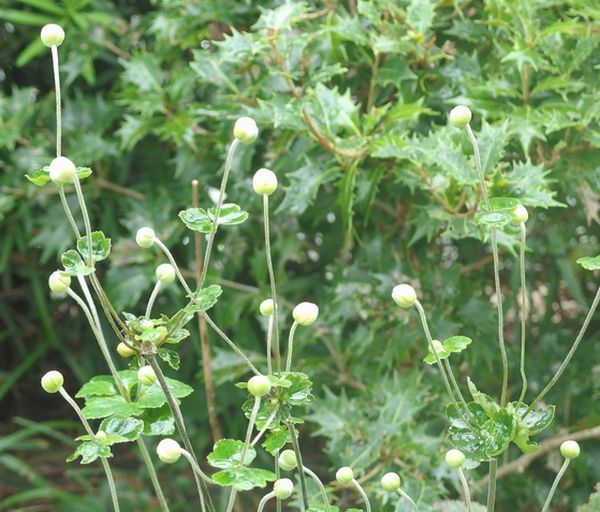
pixel 89 451
pixel 74 264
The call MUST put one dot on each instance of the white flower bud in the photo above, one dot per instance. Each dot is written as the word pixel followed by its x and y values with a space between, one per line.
pixel 165 273
pixel 390 482
pixel 570 449
pixel 168 451
pixel 267 307
pixel 455 458
pixel 52 381
pixel 124 351
pixel 283 488
pixel 101 436
pixel 52 35
pixel 245 130
pixel 145 237
pixel 344 475
pixel 59 282
pixel 460 116
pixel 146 375
pixel 62 170
pixel 306 313
pixel 264 182
pixel 519 215
pixel 437 346
pixel 287 460
pixel 259 385
pixel 404 295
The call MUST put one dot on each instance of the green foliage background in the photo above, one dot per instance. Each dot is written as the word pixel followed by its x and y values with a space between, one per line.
pixel 351 98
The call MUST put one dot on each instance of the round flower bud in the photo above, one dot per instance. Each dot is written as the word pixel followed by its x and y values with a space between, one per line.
pixel 390 482
pixel 52 35
pixel 306 313
pixel 59 282
pixel 124 351
pixel 344 475
pixel 146 375
pixel 101 436
pixel 259 385
pixel 62 170
pixel 52 381
pixel 245 130
pixel 283 488
pixel 264 182
pixel 437 346
pixel 165 273
pixel 404 295
pixel 570 449
pixel 287 460
pixel 145 237
pixel 455 458
pixel 168 451
pixel 267 307
pixel 519 215
pixel 460 116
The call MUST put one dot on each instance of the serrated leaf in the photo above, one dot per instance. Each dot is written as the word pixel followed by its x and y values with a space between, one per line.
pixel 244 478
pixel 229 215
pixel 170 357
pixel 97 407
pixel 456 344
pixel 158 422
pixel 39 177
pixel 153 396
pixel 129 428
pixel 590 262
pixel 89 451
pixel 503 203
pixel 74 264
pixel 100 246
pixel 196 219
pixel 495 219
pixel 204 299
pixel 108 440
pixel 227 453
pixel 276 440
pixel 100 385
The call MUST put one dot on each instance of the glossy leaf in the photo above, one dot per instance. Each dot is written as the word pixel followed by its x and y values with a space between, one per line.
pixel 204 299
pixel 100 246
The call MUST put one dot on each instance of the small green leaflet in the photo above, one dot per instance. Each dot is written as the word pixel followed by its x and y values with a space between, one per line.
pixel 227 454
pixel 243 478
pixel 590 262
pixel 204 299
pixel 452 345
pixel 74 264
pixel 128 428
pixel 42 176
pixel 108 440
pixel 276 440
pixel 199 219
pixel 503 203
pixel 89 451
pixel 100 246
pixel 494 219
pixel 170 357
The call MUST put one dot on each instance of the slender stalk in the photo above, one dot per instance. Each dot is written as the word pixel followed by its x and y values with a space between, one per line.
pixel 363 494
pixel 491 496
pixel 455 384
pixel 63 200
pixel 296 447
pixel 321 487
pixel 288 363
pixel 263 502
pixel 567 359
pixel 215 224
pixel 271 280
pixel 434 352
pixel 269 344
pixel 86 218
pixel 196 467
pixel 559 475
pixel 54 52
pixel 152 473
pixel 88 429
pixel 152 299
pixel 266 427
pixel 174 406
pixel 504 391
pixel 407 497
pixel 233 346
pixel 172 261
pixel 278 475
pixel 523 313
pixel 465 486
pixel 209 387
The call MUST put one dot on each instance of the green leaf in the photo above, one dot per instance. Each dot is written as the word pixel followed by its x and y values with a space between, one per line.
pixel 243 478
pixel 196 219
pixel 419 15
pixel 431 359
pixel 100 246
pixel 74 265
pixel 456 344
pixel 504 203
pixel 39 177
pixel 153 396
pixel 158 422
pixel 227 454
pixel 590 262
pixel 100 385
pixel 128 428
pixel 89 451
pixel 204 299
pixel 104 406
pixel 495 219
pixel 170 357
pixel 485 401
pixel 276 440
pixel 109 439
pixel 230 215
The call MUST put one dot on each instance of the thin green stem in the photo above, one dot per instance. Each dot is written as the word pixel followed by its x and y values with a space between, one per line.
pixel 455 384
pixel 152 299
pixel 290 348
pixel 265 428
pixel 296 447
pixel 559 475
pixel 215 224
pixel 86 218
pixel 88 429
pixel 567 359
pixel 465 486
pixel 523 313
pixel 233 346
pixel 320 486
pixel 407 497
pixel 363 494
pixel 271 280
pixel 269 344
pixel 480 175
pixel 172 261
pixel 278 475
pixel 63 200
pixel 491 496
pixel 174 406
pixel 263 502
pixel 231 500
pixel 54 52
pixel 196 468
pixel 152 473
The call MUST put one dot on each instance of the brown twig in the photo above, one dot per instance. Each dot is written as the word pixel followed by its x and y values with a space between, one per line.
pixel 108 185
pixel 204 341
